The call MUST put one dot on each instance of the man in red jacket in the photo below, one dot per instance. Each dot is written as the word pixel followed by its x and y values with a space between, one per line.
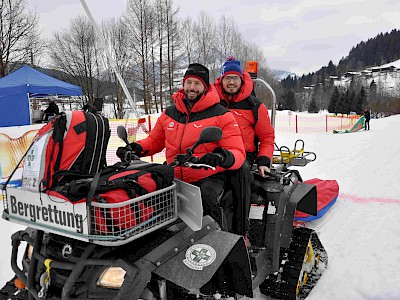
pixel 196 106
pixel 235 88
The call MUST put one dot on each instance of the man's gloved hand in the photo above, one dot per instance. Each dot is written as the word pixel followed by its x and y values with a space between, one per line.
pixel 219 157
pixel 263 163
pixel 124 153
pixel 263 171
pixel 212 159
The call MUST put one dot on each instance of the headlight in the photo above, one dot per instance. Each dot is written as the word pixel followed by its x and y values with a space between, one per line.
pixel 112 278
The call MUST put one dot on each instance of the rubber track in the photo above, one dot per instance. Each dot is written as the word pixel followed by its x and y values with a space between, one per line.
pixel 283 285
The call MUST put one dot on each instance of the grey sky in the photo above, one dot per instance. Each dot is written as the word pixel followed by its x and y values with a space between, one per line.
pixel 297 36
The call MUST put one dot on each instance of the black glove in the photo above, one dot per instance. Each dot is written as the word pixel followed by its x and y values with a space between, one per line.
pixel 263 161
pixel 229 158
pixel 219 157
pixel 124 153
pixel 212 159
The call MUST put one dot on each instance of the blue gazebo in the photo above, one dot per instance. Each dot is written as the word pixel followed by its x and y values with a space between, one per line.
pixel 18 86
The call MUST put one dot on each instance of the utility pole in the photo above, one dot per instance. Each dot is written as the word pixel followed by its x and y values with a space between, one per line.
pixel 110 58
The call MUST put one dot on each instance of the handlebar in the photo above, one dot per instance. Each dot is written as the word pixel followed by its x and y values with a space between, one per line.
pixel 130 156
pixel 187 160
pixel 198 166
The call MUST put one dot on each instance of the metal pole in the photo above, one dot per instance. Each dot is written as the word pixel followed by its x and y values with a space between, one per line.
pixel 110 58
pixel 271 91
pixel 273 108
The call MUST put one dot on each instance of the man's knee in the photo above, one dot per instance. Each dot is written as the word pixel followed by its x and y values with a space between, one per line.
pixel 209 195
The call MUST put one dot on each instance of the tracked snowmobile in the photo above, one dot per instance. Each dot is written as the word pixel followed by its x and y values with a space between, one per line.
pixel 158 245
pixel 166 258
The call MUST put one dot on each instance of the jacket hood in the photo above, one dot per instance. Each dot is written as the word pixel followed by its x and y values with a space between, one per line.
pixel 244 92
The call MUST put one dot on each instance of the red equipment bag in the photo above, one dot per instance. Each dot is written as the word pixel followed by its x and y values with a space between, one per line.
pixel 120 186
pixel 117 184
pixel 72 145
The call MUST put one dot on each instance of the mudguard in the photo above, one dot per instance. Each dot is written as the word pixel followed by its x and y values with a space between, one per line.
pixel 214 260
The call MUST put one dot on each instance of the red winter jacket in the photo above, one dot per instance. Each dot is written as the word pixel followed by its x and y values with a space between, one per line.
pixel 241 106
pixel 177 130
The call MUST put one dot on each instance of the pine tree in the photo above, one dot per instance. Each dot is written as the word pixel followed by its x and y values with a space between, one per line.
pixel 361 99
pixel 312 108
pixel 346 103
pixel 334 100
pixel 339 104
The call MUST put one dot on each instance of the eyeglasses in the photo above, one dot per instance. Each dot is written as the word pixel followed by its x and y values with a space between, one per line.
pixel 229 78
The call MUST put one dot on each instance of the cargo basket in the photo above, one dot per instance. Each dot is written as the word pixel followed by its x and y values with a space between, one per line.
pixel 100 223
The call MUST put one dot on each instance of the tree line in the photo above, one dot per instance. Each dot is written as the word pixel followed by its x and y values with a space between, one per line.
pixel 150 44
pixel 316 91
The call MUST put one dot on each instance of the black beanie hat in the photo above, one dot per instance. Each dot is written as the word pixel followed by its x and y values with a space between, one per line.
pixel 198 71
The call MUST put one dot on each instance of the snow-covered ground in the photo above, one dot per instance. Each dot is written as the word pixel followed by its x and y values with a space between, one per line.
pixel 361 232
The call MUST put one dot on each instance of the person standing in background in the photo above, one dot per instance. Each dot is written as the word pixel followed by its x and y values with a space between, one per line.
pixel 367 116
pixel 51 111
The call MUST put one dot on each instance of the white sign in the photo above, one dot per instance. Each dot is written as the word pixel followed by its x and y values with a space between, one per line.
pixel 199 256
pixel 34 164
pixel 49 213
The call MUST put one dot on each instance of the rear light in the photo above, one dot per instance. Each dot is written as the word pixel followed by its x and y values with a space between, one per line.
pixel 252 68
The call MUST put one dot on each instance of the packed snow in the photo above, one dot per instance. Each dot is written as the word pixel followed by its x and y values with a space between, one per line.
pixel 361 232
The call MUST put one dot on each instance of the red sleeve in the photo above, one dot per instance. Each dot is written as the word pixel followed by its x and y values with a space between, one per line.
pixel 232 139
pixel 265 133
pixel 155 142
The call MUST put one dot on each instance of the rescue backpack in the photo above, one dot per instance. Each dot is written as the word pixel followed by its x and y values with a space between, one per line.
pixel 72 145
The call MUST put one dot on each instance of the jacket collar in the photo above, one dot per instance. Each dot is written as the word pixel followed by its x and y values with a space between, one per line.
pixel 207 100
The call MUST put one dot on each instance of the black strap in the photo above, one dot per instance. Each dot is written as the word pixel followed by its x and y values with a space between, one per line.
pixel 59 127
pixel 255 104
pixel 128 182
pixel 92 189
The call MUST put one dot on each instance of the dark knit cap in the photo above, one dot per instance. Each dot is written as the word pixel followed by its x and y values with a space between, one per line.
pixel 231 66
pixel 198 71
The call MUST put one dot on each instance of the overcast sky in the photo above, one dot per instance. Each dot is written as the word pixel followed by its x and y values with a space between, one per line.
pixel 296 36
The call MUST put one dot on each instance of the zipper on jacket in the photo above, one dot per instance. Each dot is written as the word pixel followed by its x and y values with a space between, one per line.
pixel 180 144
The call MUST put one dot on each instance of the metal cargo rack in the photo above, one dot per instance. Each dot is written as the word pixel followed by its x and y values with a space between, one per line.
pixel 106 224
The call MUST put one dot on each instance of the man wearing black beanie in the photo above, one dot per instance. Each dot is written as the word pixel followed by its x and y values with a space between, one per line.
pixel 196 106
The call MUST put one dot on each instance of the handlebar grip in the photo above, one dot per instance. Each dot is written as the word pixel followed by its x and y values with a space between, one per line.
pixel 220 155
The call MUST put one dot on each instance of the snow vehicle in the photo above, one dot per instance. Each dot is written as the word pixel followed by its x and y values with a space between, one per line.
pixel 177 253
pixel 166 258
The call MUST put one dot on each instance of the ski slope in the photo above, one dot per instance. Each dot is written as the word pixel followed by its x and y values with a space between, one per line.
pixel 361 232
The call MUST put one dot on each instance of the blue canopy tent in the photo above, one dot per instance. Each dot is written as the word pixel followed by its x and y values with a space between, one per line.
pixel 17 87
